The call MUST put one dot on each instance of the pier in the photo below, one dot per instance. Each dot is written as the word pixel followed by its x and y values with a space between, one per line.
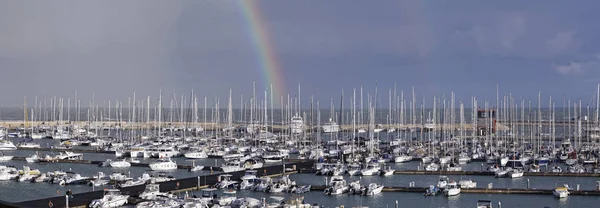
pixel 478 173
pixel 175 186
pixel 482 190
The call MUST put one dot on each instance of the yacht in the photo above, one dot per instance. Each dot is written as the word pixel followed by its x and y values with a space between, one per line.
pixel 163 152
pixel 297 125
pixel 137 151
pixel 7 145
pixel 331 127
pixel 111 198
pixel 163 164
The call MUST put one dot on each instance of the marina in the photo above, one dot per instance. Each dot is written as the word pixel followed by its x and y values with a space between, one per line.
pixel 299 104
pixel 440 152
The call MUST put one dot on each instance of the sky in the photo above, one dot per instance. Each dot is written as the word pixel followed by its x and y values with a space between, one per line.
pixel 110 49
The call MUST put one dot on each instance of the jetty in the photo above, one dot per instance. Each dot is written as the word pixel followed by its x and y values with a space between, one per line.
pixel 483 190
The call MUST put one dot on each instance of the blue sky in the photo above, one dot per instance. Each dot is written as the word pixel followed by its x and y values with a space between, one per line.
pixel 111 48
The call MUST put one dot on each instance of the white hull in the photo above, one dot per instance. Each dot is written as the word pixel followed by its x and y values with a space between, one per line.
pixel 195 155
pixel 452 192
pixel 163 166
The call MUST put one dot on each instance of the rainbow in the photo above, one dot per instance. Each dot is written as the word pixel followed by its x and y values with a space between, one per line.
pixel 267 60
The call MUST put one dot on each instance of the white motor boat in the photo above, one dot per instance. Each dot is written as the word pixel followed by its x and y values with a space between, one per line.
pixel 225 182
pixel 119 164
pixel 197 168
pixel 297 125
pixel 163 164
pixel 250 174
pixel 233 166
pixel 227 197
pixel 69 156
pixel 4 158
pixel 516 173
pixel 330 127
pixel 29 145
pixel 152 191
pixel 196 155
pixel 7 145
pixel 561 192
pixel 443 182
pixel 467 184
pixel 374 189
pixel 388 171
pixel 337 186
pixel 112 198
pixel 452 189
pixel 432 167
pixel 33 158
pixel 403 158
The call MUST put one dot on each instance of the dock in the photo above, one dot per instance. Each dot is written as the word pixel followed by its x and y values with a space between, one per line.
pixel 482 191
pixel 175 186
pixel 478 173
pixel 92 162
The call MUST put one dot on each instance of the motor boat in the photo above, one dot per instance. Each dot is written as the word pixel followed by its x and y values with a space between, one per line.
pixel 374 189
pixel 403 158
pixel 467 184
pixel 119 164
pixel 337 186
pixel 297 125
pixel 111 198
pixel 196 155
pixel 233 166
pixel 163 164
pixel 387 171
pixel 7 145
pixel 225 182
pixel 443 182
pixel 227 197
pixel 452 189
pixel 152 192
pixel 561 192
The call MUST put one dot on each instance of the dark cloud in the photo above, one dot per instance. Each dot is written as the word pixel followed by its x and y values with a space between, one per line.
pixel 112 48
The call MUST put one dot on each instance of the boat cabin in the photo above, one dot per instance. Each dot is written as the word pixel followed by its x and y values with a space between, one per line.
pixel 209 193
pixel 484 204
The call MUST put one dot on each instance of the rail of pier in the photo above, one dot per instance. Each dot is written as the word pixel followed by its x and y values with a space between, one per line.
pixel 185 184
